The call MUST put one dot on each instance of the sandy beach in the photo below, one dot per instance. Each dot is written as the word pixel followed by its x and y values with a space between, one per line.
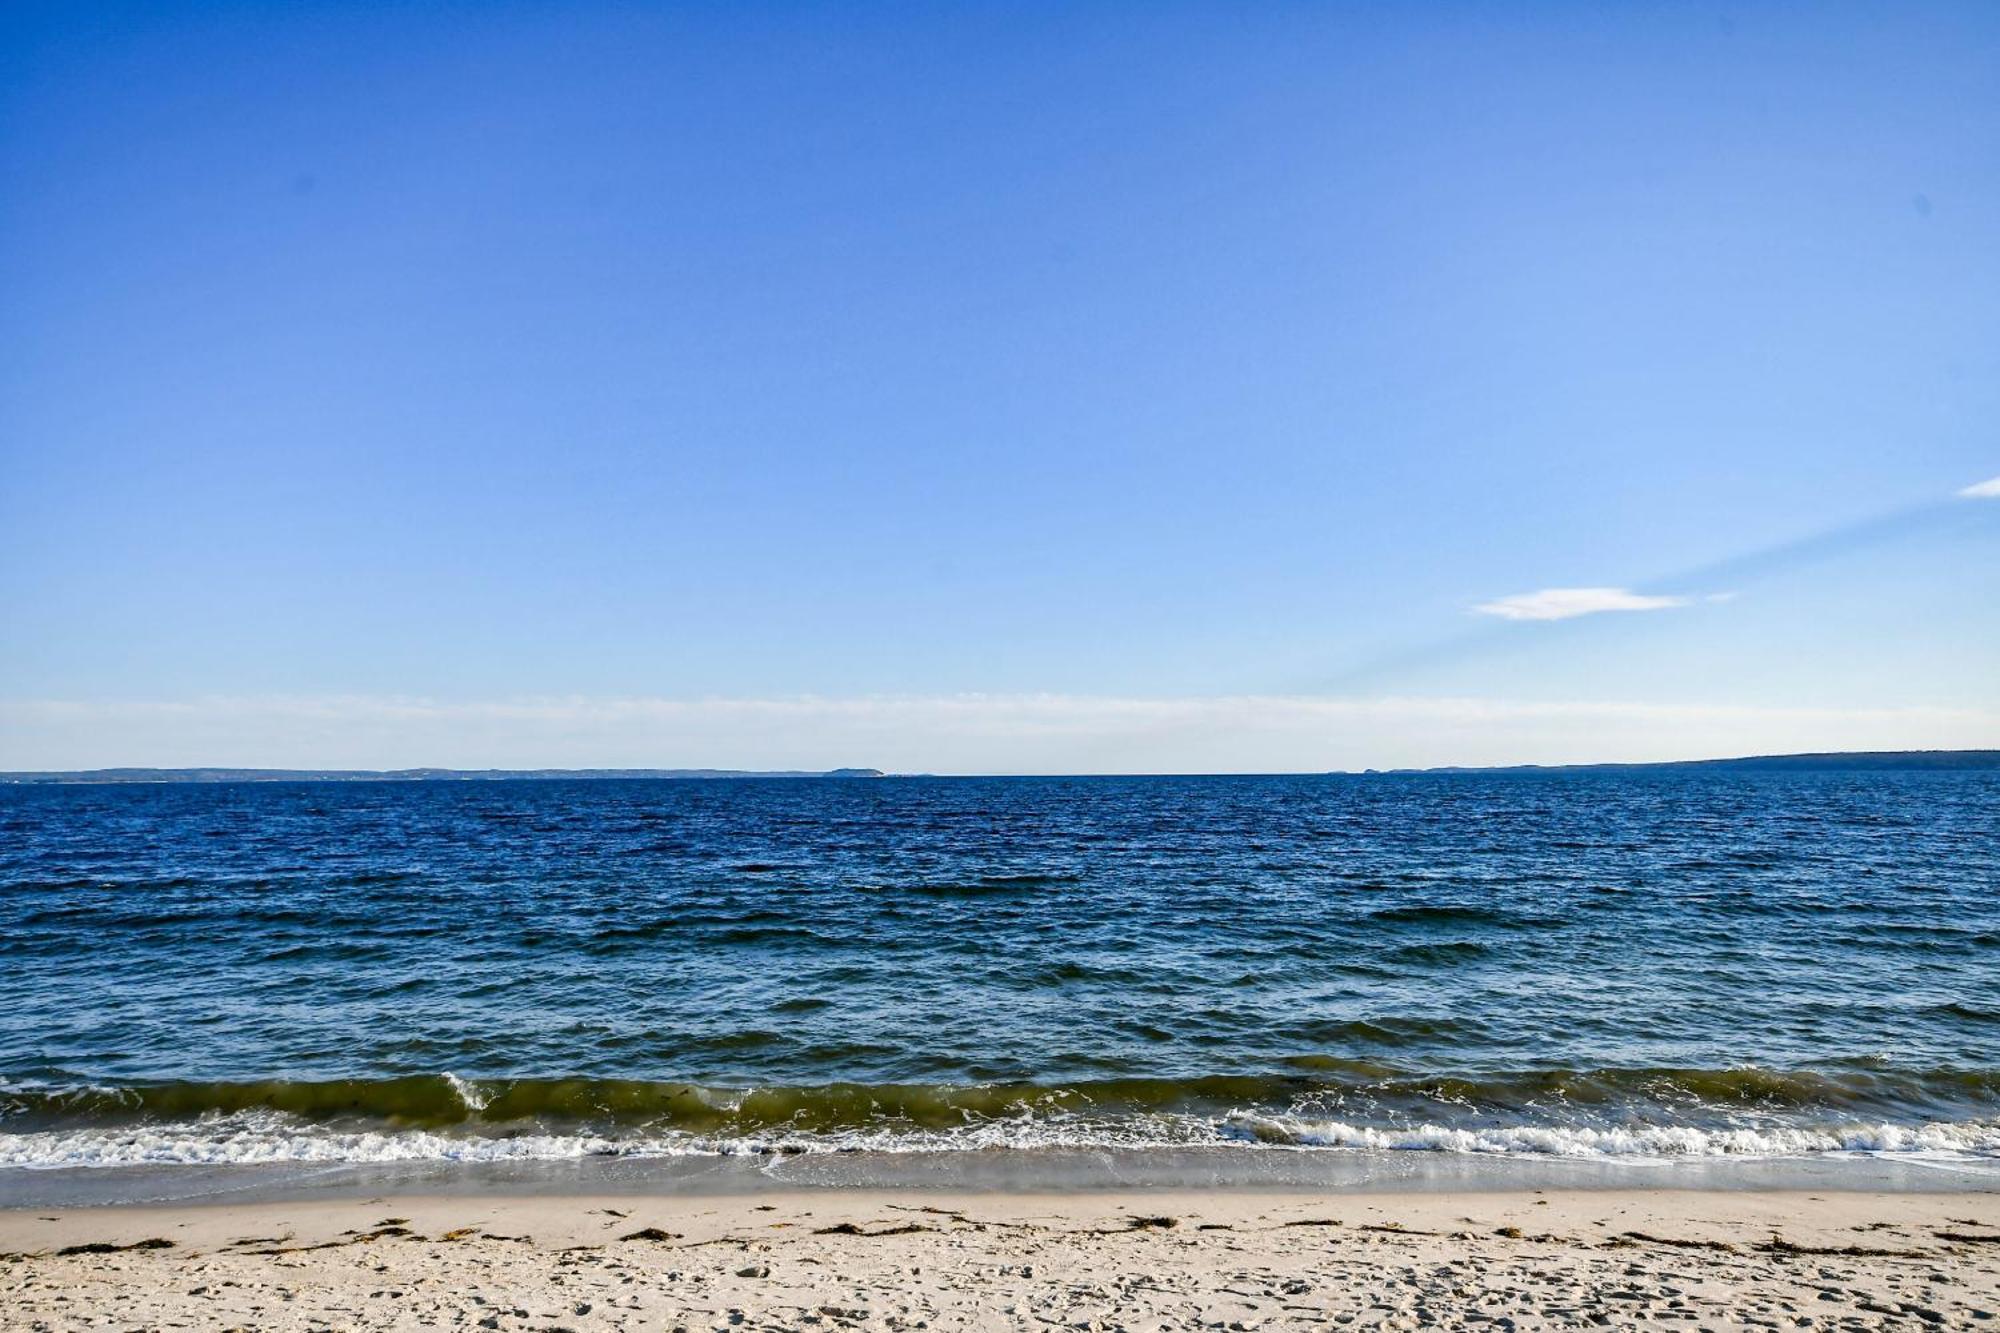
pixel 1710 1259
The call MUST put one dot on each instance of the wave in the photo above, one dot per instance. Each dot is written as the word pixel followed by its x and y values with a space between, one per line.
pixel 265 1137
pixel 1327 1105
pixel 1322 1085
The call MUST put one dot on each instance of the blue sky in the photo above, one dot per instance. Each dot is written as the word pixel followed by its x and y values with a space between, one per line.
pixel 527 384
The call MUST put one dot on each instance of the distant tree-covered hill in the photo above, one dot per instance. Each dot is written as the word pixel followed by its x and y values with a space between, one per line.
pixel 409 774
pixel 1852 761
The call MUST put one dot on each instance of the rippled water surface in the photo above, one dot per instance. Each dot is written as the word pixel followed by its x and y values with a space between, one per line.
pixel 1593 963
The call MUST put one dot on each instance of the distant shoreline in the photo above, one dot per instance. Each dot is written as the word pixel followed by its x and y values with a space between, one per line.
pixel 1841 761
pixel 113 776
pixel 1836 761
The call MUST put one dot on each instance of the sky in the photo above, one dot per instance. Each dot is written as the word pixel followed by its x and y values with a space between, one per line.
pixel 996 388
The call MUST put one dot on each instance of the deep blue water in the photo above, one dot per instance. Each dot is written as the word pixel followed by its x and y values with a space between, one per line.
pixel 1587 963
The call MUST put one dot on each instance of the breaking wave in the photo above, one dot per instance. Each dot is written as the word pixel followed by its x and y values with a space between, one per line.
pixel 273 1137
pixel 1608 1114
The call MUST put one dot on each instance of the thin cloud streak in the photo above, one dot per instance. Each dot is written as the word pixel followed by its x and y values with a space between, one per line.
pixel 1984 490
pixel 1456 650
pixel 964 733
pixel 1569 603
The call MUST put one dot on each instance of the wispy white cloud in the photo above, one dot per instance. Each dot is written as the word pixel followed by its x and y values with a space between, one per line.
pixel 961 733
pixel 1568 603
pixel 1983 490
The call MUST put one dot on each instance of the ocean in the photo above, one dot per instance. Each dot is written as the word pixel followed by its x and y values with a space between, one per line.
pixel 1637 968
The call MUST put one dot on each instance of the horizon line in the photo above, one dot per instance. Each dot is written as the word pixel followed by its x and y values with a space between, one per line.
pixel 139 775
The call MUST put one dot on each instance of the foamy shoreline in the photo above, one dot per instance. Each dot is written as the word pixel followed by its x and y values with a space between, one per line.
pixel 944 1260
pixel 1044 1170
pixel 265 1137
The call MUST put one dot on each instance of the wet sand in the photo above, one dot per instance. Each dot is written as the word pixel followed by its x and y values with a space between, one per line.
pixel 843 1259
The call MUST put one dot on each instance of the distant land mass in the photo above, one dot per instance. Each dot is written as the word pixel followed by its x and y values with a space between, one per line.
pixel 1853 761
pixel 107 775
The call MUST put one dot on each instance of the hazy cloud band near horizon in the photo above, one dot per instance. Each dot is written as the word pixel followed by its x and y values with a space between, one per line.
pixel 963 733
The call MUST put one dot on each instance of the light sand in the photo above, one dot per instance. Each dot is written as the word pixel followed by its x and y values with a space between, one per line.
pixel 905 1260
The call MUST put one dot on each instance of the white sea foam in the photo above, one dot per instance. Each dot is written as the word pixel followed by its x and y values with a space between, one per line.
pixel 469 1093
pixel 1970 1138
pixel 269 1137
